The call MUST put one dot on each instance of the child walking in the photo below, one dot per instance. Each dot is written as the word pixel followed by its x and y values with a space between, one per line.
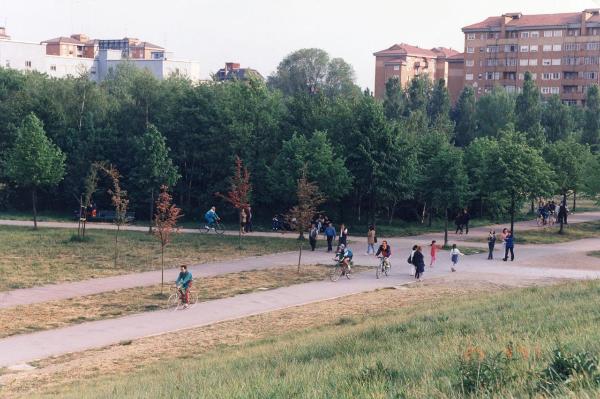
pixel 454 254
pixel 434 250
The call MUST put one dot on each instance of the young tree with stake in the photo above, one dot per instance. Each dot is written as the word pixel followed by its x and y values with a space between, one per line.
pixel 165 224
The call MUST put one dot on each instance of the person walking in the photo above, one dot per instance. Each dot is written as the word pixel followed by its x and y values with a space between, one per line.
pixel 454 254
pixel 466 217
pixel 243 219
pixel 509 247
pixel 330 235
pixel 459 223
pixel 249 217
pixel 312 236
pixel 491 244
pixel 434 249
pixel 410 260
pixel 343 239
pixel 371 239
pixel 419 262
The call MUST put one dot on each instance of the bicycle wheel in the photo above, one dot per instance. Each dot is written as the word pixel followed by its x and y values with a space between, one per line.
pixel 204 229
pixel 173 301
pixel 387 268
pixel 336 273
pixel 193 299
pixel 378 270
pixel 219 229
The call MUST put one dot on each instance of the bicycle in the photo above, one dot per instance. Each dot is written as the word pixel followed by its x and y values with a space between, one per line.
pixel 340 270
pixel 176 299
pixel 384 267
pixel 217 227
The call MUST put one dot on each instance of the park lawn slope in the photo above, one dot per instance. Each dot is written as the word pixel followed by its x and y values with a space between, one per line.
pixel 45 256
pixel 491 345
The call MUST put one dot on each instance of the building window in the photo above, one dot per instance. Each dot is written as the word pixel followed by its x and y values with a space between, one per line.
pixel 556 47
pixel 53 67
pixel 547 33
pixel 493 35
pixel 592 46
pixel 510 89
pixel 555 90
pixel 480 76
pixel 595 31
pixel 396 67
pixel 546 76
pixel 521 76
pixel 555 75
pixel 546 62
pixel 572 47
pixel 547 47
pixel 469 76
pixel 470 50
pixel 523 62
pixel 469 63
pixel 533 62
pixel 534 76
pixel 510 48
pixel 556 61
pixel 557 33
pixel 524 49
pixel 470 36
pixel 545 90
pixel 492 62
pixel 535 34
pixel 591 60
pixel 524 35
pixel 573 32
pixel 492 49
pixel 28 64
pixel 590 75
pixel 533 48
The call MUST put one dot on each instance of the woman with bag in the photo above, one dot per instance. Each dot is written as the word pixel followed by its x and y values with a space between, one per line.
pixel 371 240
pixel 410 260
pixel 419 261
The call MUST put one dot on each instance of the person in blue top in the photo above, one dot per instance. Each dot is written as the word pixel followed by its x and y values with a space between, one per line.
pixel 509 243
pixel 330 235
pixel 211 218
pixel 344 256
pixel 184 284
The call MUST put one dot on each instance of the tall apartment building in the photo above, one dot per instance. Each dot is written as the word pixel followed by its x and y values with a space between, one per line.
pixel 404 62
pixel 562 52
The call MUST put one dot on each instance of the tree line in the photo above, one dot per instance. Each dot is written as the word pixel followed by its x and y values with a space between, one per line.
pixel 411 155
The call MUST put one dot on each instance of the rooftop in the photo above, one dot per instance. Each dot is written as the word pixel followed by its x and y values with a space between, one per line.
pixel 518 20
pixel 406 49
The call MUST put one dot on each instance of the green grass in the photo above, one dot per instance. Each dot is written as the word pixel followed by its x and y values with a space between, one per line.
pixel 30 258
pixel 550 235
pixel 594 253
pixel 45 216
pixel 501 345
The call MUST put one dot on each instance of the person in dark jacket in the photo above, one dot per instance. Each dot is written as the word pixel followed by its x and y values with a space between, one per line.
pixel 330 235
pixel 458 221
pixel 312 236
pixel 509 243
pixel 466 217
pixel 419 262
pixel 491 244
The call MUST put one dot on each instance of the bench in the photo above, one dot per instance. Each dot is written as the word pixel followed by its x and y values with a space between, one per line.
pixel 109 216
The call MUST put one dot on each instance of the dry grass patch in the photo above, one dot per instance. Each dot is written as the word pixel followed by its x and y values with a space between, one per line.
pixel 53 373
pixel 55 314
pixel 47 256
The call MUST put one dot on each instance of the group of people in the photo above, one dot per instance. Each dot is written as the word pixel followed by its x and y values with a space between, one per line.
pixel 508 241
pixel 462 222
pixel 211 218
pixel 547 213
pixel 417 260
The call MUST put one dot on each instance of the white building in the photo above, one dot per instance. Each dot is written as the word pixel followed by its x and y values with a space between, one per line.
pixel 24 56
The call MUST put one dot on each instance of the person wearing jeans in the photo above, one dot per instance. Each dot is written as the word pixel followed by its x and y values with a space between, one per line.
pixel 491 244
pixel 330 235
pixel 371 240
pixel 510 247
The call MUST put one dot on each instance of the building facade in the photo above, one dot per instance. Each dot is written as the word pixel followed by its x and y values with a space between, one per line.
pixel 561 51
pixel 404 62
pixel 233 71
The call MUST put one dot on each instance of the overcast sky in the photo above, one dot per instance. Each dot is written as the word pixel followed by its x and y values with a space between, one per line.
pixel 259 33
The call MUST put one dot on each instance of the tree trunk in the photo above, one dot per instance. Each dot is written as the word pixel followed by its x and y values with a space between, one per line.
pixel 80 214
pixel 392 211
pixel 532 206
pixel 512 213
pixel 430 217
pixel 240 231
pixel 300 256
pixel 423 214
pixel 574 200
pixel 481 207
pixel 446 228
pixel 162 268
pixel 561 217
pixel 117 245
pixel 151 211
pixel 34 203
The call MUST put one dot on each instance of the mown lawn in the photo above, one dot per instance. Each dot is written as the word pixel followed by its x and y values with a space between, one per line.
pixel 550 235
pixel 526 343
pixel 30 258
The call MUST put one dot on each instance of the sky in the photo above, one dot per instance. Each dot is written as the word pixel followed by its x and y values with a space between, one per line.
pixel 259 33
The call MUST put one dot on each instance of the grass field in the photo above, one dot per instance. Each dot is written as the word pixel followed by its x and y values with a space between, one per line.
pixel 31 258
pixel 56 314
pixel 594 253
pixel 549 235
pixel 533 342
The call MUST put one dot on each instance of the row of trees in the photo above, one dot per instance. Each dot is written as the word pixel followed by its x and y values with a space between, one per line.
pixel 409 155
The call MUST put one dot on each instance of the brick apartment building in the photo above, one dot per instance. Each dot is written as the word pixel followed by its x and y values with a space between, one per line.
pixel 81 46
pixel 404 62
pixel 562 52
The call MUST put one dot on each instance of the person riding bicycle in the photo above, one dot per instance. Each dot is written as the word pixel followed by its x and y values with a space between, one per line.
pixel 344 256
pixel 385 251
pixel 211 218
pixel 184 284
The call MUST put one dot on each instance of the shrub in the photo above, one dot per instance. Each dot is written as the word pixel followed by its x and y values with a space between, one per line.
pixel 570 370
pixel 484 373
pixel 379 372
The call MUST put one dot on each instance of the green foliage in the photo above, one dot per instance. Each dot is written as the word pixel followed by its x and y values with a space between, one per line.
pixel 568 159
pixel 394 101
pixel 34 161
pixel 464 117
pixel 557 119
pixel 570 370
pixel 591 126
pixel 495 112
pixel 486 373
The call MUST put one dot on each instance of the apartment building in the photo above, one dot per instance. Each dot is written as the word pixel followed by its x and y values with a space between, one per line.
pixel 404 62
pixel 561 51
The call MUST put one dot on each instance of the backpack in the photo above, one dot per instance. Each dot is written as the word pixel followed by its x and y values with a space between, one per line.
pixel 313 233
pixel 409 260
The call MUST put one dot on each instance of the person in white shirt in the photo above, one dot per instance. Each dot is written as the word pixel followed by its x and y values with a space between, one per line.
pixel 454 254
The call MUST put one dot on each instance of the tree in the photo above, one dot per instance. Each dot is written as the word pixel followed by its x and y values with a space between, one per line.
pixel 311 70
pixel 528 112
pixel 34 160
pixel 438 108
pixel 165 223
pixel 591 126
pixel 464 117
pixel 515 171
pixel 239 192
pixel 477 155
pixel 445 182
pixel 90 186
pixel 495 112
pixel 418 93
pixel 557 119
pixel 118 199
pixel 394 101
pixel 568 159
pixel 309 198
pixel 153 166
